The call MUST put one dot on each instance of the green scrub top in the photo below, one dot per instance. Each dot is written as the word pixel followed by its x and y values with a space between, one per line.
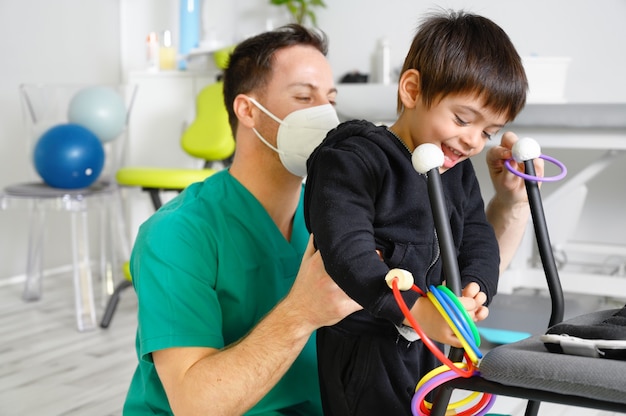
pixel 206 268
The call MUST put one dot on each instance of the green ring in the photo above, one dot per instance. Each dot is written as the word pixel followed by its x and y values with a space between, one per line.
pixel 460 306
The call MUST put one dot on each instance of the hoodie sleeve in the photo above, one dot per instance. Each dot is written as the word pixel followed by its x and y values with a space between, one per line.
pixel 341 188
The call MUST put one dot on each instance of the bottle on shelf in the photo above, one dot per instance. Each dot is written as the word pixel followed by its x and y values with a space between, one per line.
pixel 189 36
pixel 382 62
pixel 167 52
pixel 152 51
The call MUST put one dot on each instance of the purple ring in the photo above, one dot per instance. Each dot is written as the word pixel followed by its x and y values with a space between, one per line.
pixel 523 175
pixel 435 382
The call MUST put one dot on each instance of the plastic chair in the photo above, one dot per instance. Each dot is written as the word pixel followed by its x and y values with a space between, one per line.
pixel 527 370
pixel 45 106
pixel 208 138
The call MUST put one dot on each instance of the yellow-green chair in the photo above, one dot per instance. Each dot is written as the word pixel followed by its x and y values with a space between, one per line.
pixel 208 138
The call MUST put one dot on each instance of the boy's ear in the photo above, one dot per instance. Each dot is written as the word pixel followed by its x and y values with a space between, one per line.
pixel 409 88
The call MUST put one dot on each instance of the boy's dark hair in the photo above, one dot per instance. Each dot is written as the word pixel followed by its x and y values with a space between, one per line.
pixel 250 64
pixel 458 52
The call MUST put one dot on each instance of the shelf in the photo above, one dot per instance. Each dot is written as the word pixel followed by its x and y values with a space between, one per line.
pixel 377 103
pixel 573 115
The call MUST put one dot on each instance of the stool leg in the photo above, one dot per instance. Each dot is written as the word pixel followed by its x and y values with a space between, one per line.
pixel 83 287
pixel 34 258
pixel 112 304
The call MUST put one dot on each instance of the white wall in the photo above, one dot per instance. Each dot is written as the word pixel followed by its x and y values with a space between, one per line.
pixel 89 41
pixel 42 41
pixel 592 33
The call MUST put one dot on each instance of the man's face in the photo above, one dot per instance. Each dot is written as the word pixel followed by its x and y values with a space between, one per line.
pixel 301 78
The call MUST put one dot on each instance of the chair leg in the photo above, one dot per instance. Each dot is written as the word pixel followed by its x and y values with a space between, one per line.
pixel 34 261
pixel 83 282
pixel 112 304
pixel 532 408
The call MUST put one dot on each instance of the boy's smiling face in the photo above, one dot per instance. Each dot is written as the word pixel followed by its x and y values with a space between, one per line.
pixel 459 124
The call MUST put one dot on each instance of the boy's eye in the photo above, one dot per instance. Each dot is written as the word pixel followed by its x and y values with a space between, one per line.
pixel 487 135
pixel 460 121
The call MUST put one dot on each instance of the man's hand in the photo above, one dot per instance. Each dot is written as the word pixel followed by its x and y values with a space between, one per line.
pixel 508 211
pixel 316 295
pixel 232 379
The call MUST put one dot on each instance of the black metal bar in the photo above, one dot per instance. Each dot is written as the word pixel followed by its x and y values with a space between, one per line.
pixel 547 260
pixel 112 303
pixel 155 197
pixel 532 408
pixel 444 233
pixel 450 270
pixel 545 247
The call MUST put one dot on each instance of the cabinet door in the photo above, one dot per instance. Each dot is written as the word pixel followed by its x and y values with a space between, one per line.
pixel 164 106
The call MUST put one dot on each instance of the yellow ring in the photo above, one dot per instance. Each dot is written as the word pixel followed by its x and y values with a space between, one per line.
pixel 460 403
pixel 436 371
pixel 441 369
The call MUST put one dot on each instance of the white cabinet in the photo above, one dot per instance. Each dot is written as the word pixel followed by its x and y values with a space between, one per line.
pixel 164 106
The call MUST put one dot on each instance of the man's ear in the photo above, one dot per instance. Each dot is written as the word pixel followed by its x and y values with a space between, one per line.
pixel 242 107
pixel 409 88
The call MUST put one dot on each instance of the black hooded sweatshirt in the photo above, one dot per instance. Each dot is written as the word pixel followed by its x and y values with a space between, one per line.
pixel 362 194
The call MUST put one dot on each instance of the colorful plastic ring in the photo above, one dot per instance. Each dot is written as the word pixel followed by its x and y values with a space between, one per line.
pixel 523 175
pixel 469 320
pixel 453 312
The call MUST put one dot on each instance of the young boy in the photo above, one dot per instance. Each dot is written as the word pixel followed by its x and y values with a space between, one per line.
pixel 461 82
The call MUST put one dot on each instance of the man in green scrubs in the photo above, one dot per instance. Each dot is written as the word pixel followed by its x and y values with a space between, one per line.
pixel 230 288
pixel 223 328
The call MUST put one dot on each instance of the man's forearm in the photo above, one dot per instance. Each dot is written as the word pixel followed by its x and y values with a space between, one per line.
pixel 232 380
pixel 509 223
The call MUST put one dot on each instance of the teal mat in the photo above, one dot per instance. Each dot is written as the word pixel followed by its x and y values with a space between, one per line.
pixel 501 336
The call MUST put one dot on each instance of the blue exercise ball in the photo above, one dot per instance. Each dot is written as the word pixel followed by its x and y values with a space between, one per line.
pixel 68 156
pixel 100 109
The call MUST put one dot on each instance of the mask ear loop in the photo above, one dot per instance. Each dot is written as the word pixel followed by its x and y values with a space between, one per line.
pixel 273 117
pixel 265 110
pixel 265 142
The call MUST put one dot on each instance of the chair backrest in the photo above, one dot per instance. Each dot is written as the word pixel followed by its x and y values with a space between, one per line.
pixel 209 136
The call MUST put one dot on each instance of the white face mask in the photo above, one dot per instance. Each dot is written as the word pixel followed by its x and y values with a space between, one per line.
pixel 299 134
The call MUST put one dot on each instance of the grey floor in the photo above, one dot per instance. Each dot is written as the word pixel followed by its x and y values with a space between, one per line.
pixel 48 368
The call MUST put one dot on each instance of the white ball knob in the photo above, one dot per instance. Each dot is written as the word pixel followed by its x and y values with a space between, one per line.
pixel 526 149
pixel 427 156
pixel 405 278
